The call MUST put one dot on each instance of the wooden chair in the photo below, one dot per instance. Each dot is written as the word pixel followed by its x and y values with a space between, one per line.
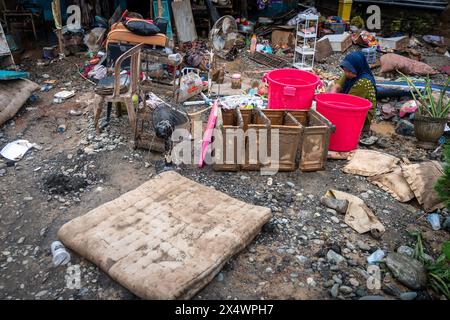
pixel 121 92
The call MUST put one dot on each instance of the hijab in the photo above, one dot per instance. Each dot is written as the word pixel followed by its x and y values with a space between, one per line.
pixel 356 62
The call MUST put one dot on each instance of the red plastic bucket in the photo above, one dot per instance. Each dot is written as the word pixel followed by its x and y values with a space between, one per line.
pixel 291 88
pixel 347 113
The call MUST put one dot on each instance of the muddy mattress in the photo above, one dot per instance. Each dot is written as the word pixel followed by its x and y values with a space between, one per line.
pixel 167 238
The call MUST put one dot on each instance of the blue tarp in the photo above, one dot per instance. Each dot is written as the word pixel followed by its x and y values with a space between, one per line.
pixel 12 75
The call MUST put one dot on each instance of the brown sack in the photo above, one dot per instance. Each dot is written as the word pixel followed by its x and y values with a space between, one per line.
pixel 13 95
pixel 358 216
pixel 395 183
pixel 393 62
pixel 422 178
pixel 370 163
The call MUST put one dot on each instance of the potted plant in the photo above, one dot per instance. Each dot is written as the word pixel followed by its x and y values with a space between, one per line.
pixel 432 112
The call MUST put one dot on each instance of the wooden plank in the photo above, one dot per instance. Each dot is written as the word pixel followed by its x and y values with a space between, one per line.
pixel 184 21
pixel 163 13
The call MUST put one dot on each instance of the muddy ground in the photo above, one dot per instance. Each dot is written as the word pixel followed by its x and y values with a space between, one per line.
pixel 78 170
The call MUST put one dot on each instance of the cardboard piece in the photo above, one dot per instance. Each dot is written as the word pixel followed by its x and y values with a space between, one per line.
pixel 323 49
pixel 282 38
pixel 340 42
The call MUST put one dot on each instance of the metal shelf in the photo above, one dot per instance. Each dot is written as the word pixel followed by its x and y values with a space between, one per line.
pixel 308 51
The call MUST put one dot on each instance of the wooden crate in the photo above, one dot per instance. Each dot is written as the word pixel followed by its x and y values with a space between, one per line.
pixel 230 124
pixel 314 139
pixel 289 130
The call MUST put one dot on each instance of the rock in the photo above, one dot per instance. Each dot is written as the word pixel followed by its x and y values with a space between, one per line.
pixel 335 204
pixel 69 156
pixel 331 211
pixel 408 295
pixel 334 291
pixel 372 298
pixel 294 275
pixel 337 279
pixel 21 240
pixel 405 128
pixel 311 282
pixel 89 150
pixel 345 289
pixel 363 246
pixel 364 195
pixel 408 271
pixel 354 282
pixel 334 219
pixel 269 270
pixel 350 245
pixel 446 224
pixel 335 257
pixel 391 289
pixel 302 259
pixel 220 277
pixel 27 198
pixel 290 184
pixel 405 250
pixel 41 293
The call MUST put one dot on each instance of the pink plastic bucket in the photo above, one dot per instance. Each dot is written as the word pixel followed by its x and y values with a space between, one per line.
pixel 291 88
pixel 347 113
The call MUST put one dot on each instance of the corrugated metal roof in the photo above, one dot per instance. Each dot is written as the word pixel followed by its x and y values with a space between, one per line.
pixel 431 4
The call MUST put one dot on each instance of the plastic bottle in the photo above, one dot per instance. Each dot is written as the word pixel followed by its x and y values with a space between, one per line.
pixel 375 257
pixel 60 255
pixel 435 220
pixel 253 43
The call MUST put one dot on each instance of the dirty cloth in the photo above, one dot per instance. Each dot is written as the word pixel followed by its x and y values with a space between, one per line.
pixel 370 163
pixel 166 239
pixel 358 216
pixel 422 178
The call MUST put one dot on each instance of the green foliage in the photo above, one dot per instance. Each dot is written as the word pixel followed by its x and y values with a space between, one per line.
pixel 428 103
pixel 442 186
pixel 439 270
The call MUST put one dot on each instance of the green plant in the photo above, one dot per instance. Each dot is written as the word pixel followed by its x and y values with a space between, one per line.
pixel 426 101
pixel 439 270
pixel 442 186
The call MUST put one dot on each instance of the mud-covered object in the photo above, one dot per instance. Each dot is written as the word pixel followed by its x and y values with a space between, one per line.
pixel 370 163
pixel 166 239
pixel 141 27
pixel 166 119
pixel 422 178
pixel 392 62
pixel 395 183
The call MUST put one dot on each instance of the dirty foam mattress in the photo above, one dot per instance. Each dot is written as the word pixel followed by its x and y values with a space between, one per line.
pixel 166 239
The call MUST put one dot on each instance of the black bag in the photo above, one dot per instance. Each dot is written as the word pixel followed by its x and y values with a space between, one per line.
pixel 161 23
pixel 141 27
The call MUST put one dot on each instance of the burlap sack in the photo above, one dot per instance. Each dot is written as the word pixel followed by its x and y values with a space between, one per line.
pixel 422 178
pixel 395 183
pixel 370 163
